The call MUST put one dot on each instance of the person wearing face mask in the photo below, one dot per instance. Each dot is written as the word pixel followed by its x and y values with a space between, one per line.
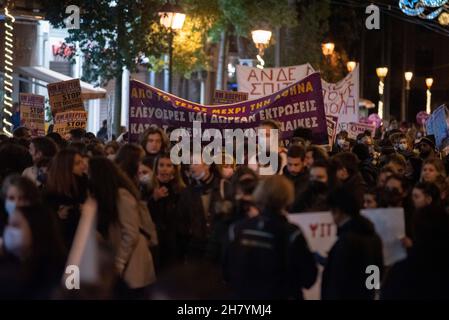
pixel 314 197
pixel 199 208
pixel 344 168
pixel 227 166
pixel 426 148
pixel 340 142
pixel 31 254
pixel 145 175
pixel 163 206
pixel 66 190
pixel 17 191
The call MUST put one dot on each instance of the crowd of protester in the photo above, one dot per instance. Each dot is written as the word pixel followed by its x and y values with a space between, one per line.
pixel 167 231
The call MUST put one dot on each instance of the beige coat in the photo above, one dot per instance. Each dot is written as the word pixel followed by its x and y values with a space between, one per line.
pixel 133 259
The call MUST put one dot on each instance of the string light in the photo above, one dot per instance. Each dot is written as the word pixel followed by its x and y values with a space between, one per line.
pixel 8 80
pixel 426 9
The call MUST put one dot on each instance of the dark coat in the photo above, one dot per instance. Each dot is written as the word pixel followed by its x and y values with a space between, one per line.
pixel 357 185
pixel 313 199
pixel 418 277
pixel 268 258
pixel 196 222
pixel 70 224
pixel 357 247
pixel 164 214
pixel 369 173
pixel 299 182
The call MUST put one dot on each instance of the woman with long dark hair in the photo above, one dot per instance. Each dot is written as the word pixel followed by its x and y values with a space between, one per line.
pixel 66 190
pixel 163 205
pixel 123 223
pixel 129 158
pixel 32 255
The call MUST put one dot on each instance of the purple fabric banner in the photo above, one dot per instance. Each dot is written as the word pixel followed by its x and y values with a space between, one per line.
pixel 299 105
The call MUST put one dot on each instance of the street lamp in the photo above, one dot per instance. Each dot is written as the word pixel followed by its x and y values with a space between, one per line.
pixel 351 65
pixel 408 77
pixel 429 83
pixel 172 17
pixel 261 39
pixel 328 48
pixel 381 73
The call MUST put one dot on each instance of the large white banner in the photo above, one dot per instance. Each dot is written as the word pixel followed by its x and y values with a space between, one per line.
pixel 320 232
pixel 341 99
pixel 390 226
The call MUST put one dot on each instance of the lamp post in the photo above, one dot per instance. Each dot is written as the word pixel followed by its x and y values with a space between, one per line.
pixel 172 17
pixel 429 83
pixel 351 65
pixel 408 78
pixel 261 39
pixel 381 73
pixel 328 48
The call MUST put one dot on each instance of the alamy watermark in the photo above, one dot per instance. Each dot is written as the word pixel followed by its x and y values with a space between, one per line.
pixel 372 22
pixel 72 277
pixel 73 20
pixel 373 280
pixel 262 147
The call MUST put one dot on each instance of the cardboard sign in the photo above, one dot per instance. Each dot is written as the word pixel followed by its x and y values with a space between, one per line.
pixel 332 126
pixel 437 125
pixel 229 97
pixel 390 226
pixel 66 121
pixel 341 99
pixel 32 113
pixel 65 96
pixel 320 232
pixel 354 129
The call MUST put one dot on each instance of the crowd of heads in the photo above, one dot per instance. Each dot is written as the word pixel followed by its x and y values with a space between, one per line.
pixel 47 180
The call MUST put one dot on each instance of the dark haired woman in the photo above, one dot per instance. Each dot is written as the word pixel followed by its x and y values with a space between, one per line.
pixel 66 190
pixel 123 224
pixel 168 184
pixel 32 255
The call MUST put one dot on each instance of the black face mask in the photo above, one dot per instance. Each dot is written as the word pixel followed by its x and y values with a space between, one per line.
pixel 391 197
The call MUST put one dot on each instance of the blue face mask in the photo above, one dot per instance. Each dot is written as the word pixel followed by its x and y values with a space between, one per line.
pixel 10 206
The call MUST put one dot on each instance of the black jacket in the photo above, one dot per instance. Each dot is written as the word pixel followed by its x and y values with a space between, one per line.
pixel 300 181
pixel 70 224
pixel 419 276
pixel 268 258
pixel 358 246
pixel 369 173
pixel 196 222
pixel 164 215
pixel 313 199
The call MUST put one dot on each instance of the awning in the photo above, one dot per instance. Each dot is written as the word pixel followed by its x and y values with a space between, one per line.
pixel 88 91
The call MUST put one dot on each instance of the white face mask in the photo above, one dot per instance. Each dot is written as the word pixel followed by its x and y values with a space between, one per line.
pixel 227 172
pixel 402 146
pixel 145 179
pixel 341 142
pixel 13 240
pixel 10 206
pixel 200 176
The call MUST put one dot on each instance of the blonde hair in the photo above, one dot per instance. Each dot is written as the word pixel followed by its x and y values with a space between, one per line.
pixel 274 193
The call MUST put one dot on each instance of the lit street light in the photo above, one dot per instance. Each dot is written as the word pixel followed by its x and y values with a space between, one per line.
pixel 429 83
pixel 261 39
pixel 172 17
pixel 351 65
pixel 328 48
pixel 408 78
pixel 381 73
